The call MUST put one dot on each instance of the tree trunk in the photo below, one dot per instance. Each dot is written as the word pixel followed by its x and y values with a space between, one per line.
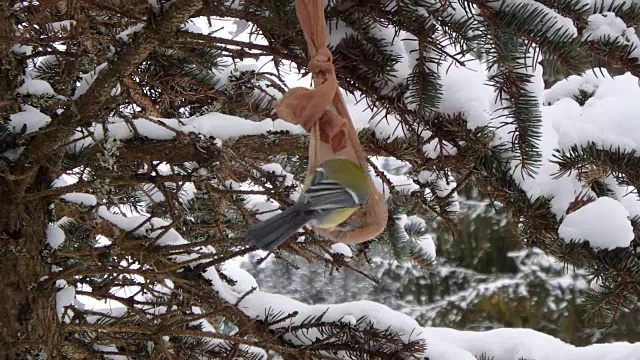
pixel 28 323
pixel 28 320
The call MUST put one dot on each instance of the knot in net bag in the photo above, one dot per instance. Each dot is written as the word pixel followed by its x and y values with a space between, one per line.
pixel 322 112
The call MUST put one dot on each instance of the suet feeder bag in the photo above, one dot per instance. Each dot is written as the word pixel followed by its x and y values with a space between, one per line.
pixel 321 111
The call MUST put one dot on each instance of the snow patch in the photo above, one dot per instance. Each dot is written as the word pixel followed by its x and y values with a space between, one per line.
pixel 30 118
pixel 35 87
pixel 80 198
pixel 608 26
pixel 603 223
pixel 341 249
pixel 55 236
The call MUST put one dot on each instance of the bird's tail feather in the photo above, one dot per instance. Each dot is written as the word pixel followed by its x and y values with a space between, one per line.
pixel 272 232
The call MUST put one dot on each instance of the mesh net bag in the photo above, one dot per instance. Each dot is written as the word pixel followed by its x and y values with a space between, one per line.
pixel 321 111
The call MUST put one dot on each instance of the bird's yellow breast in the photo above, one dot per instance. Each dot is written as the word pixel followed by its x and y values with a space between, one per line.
pixel 334 218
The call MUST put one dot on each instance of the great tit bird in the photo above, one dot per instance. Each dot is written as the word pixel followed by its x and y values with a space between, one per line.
pixel 333 192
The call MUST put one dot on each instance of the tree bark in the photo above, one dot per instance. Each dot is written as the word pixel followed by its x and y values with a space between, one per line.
pixel 29 327
pixel 28 320
pixel 27 313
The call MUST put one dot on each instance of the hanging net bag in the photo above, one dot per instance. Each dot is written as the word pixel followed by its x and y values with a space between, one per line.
pixel 321 111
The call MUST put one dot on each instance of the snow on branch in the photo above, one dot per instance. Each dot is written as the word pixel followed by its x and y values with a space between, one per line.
pixel 609 28
pixel 305 325
pixel 314 325
pixel 552 22
pixel 177 14
pixel 441 343
pixel 604 223
pixel 516 344
pixel 565 123
pixel 212 125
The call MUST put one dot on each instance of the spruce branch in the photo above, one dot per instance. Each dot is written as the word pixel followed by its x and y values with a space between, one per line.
pixel 543 27
pixel 623 164
pixel 89 106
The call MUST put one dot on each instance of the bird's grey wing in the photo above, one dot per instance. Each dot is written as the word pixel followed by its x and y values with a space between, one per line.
pixel 327 196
